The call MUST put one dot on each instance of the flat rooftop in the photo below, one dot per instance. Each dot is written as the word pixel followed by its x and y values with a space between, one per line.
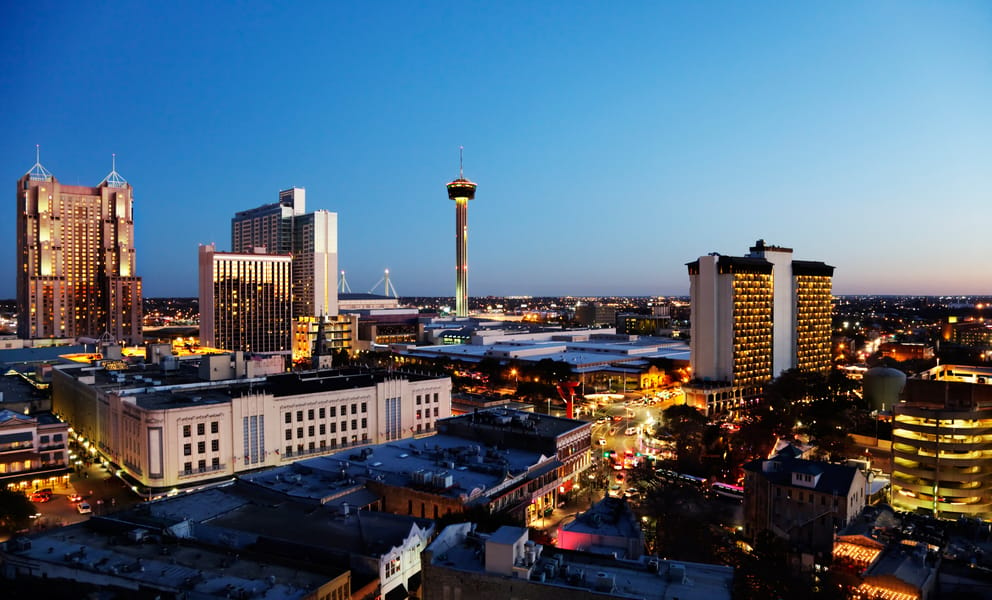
pixel 473 469
pixel 162 564
pixel 648 578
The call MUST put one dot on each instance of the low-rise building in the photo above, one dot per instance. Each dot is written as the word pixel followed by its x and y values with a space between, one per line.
pixel 464 563
pixel 802 501
pixel 497 461
pixel 608 527
pixel 181 424
pixel 33 450
pixel 82 555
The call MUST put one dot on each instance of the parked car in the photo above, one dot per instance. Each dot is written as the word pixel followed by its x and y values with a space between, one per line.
pixel 84 508
pixel 74 498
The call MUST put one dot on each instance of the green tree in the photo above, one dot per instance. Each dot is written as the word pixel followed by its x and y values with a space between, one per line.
pixel 687 426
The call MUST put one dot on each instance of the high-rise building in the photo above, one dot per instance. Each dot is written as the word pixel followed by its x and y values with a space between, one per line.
pixel 754 317
pixel 461 191
pixel 76 260
pixel 245 301
pixel 285 227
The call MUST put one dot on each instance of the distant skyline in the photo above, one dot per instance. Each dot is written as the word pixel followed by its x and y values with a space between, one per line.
pixel 611 143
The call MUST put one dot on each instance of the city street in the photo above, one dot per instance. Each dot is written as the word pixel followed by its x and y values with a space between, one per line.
pixel 98 487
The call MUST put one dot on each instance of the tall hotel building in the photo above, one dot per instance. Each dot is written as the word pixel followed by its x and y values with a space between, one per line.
pixel 245 301
pixel 754 317
pixel 311 238
pixel 301 251
pixel 76 260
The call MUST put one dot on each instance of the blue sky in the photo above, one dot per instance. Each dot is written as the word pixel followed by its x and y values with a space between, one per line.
pixel 612 142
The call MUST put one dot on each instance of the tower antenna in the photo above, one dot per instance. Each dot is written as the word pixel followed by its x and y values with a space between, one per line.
pixel 461 169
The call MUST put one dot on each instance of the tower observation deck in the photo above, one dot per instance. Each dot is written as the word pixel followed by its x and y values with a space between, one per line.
pixel 461 190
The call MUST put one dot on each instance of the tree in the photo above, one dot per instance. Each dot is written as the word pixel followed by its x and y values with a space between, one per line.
pixel 687 425
pixel 15 511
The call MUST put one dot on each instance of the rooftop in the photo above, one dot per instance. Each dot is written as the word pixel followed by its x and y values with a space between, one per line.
pixel 445 465
pixel 461 548
pixel 158 563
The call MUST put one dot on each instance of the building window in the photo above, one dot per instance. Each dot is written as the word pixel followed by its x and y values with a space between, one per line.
pixel 323 429
pixel 187 468
pixel 354 409
pixel 313 446
pixel 334 428
pixel 310 415
pixel 202 465
pixel 289 417
pixel 201 447
pixel 43 439
pixel 187 449
pixel 435 397
pixel 215 463
pixel 354 424
pixel 418 399
pixel 333 411
pixel 322 415
pixel 299 432
pixel 215 445
pixel 365 422
pixel 289 434
pixel 435 411
pixel 364 407
pixel 310 431
pixel 419 415
pixel 214 427
pixel 344 425
pixel 299 415
pixel 57 437
pixel 187 431
pixel 201 428
pixel 289 450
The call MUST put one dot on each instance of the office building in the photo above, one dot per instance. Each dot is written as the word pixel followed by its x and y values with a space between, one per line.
pixel 754 317
pixel 183 423
pixel 285 227
pixel 593 314
pixel 461 190
pixel 75 259
pixel 462 562
pixel 245 301
pixel 942 443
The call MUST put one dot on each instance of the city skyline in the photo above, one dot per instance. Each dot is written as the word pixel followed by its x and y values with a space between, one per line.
pixel 859 135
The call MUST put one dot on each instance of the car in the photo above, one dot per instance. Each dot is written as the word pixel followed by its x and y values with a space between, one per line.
pixel 84 508
pixel 74 498
pixel 41 496
pixel 602 441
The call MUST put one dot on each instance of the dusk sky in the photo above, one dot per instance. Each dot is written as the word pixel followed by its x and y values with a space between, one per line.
pixel 612 142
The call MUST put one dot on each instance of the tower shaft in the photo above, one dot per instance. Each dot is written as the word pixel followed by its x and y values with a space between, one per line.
pixel 461 191
pixel 461 257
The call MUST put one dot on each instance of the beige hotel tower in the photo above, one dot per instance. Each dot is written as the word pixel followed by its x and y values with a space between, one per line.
pixel 754 317
pixel 75 259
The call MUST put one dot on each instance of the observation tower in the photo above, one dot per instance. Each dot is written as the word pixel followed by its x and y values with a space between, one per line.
pixel 461 191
